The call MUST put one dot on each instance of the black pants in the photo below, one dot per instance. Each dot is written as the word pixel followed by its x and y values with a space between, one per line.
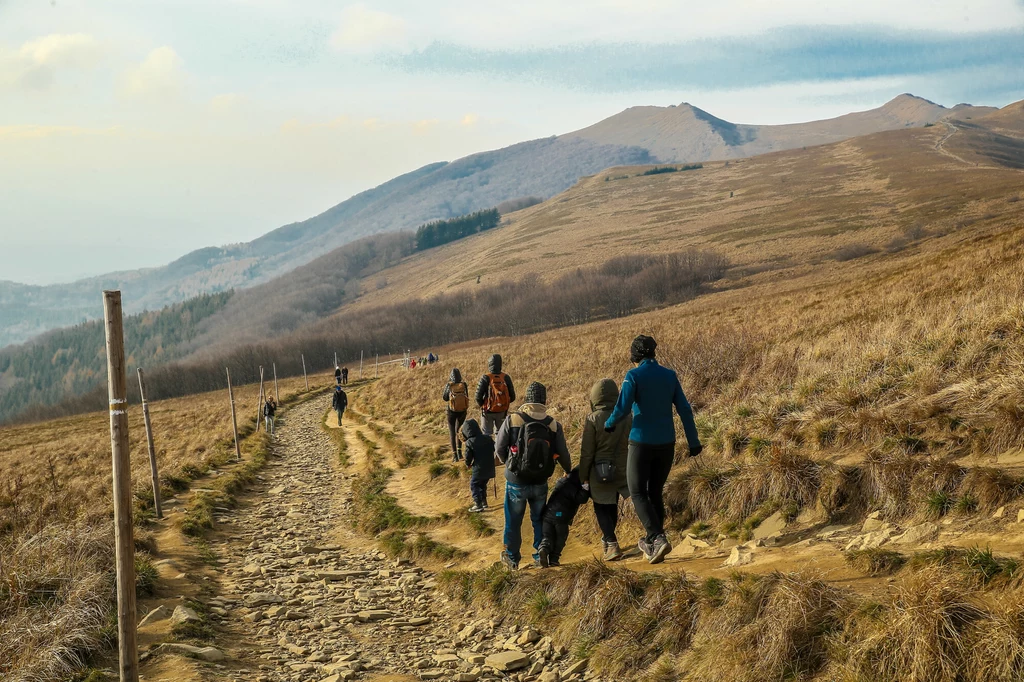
pixel 607 518
pixel 556 532
pixel 341 412
pixel 647 469
pixel 455 422
pixel 478 489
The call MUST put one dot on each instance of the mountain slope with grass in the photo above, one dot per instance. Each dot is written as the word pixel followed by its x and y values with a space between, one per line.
pixel 537 168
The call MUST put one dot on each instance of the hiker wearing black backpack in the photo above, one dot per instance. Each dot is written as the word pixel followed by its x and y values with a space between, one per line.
pixel 530 443
pixel 339 402
pixel 494 394
pixel 603 463
pixel 456 394
pixel 650 392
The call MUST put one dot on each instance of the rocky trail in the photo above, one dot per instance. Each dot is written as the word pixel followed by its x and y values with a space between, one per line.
pixel 301 597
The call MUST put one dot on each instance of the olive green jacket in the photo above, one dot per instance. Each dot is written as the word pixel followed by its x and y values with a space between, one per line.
pixel 601 446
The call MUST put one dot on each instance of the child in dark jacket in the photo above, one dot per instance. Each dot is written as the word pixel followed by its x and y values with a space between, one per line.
pixel 479 454
pixel 558 514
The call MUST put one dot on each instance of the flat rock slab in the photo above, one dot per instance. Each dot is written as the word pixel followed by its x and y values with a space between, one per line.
pixel 263 599
pixel 507 661
pixel 205 653
pixel 183 614
pixel 338 576
pixel 158 614
pixel 374 615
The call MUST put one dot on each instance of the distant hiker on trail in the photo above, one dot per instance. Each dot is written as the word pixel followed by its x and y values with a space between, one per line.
pixel 344 376
pixel 494 394
pixel 456 394
pixel 603 463
pixel 269 408
pixel 339 402
pixel 651 391
pixel 479 449
pixel 412 364
pixel 529 444
pixel 337 375
pixel 559 512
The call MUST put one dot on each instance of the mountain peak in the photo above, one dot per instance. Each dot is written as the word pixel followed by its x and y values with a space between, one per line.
pixel 907 98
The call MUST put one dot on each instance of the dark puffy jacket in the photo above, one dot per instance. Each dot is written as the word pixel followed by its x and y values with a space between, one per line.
pixel 478 451
pixel 269 409
pixel 508 435
pixel 600 446
pixel 567 497
pixel 650 391
pixel 483 387
pixel 340 400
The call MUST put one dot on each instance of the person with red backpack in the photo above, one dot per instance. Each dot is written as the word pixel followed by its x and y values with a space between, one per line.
pixel 494 394
pixel 456 394
pixel 530 444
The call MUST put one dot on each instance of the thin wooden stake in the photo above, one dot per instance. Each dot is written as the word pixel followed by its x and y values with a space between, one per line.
pixel 259 401
pixel 234 419
pixel 304 372
pixel 335 358
pixel 157 505
pixel 376 366
pixel 277 396
pixel 124 540
pixel 360 364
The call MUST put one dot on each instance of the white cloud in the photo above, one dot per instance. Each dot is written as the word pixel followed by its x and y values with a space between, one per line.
pixel 363 31
pixel 36 63
pixel 158 76
pixel 227 103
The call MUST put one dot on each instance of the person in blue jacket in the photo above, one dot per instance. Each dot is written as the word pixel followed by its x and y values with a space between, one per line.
pixel 651 391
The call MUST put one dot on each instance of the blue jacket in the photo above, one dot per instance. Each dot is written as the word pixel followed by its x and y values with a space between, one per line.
pixel 651 391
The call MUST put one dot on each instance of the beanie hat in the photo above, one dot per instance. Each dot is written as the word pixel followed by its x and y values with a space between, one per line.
pixel 536 393
pixel 642 348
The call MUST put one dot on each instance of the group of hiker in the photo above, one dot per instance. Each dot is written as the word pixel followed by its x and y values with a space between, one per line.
pixel 627 450
pixel 339 400
pixel 413 363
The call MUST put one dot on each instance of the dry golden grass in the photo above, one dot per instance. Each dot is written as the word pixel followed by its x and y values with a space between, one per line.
pixel 56 527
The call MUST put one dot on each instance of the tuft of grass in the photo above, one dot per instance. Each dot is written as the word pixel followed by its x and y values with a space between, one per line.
pixel 981 566
pixel 146 575
pixel 397 543
pixel 197 632
pixel 875 561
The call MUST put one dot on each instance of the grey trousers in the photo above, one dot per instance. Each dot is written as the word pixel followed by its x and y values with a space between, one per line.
pixel 490 422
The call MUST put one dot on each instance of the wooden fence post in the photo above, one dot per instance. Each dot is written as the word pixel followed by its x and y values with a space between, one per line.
pixel 335 358
pixel 277 396
pixel 360 364
pixel 376 366
pixel 234 419
pixel 259 401
pixel 304 372
pixel 124 541
pixel 157 505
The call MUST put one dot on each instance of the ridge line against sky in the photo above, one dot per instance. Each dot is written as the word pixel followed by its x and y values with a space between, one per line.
pixel 208 122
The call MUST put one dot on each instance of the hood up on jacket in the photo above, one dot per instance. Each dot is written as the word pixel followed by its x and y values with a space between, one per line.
pixel 494 364
pixel 471 429
pixel 603 395
pixel 456 376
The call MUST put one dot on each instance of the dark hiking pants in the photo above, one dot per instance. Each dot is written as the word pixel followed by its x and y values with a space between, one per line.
pixel 607 518
pixel 647 469
pixel 455 422
pixel 556 533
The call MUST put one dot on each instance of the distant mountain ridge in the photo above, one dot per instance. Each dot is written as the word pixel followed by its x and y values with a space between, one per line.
pixel 542 168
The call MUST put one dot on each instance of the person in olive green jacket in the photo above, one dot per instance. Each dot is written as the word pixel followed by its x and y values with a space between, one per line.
pixel 603 463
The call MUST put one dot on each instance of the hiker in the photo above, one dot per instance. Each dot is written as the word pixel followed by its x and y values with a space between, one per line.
pixel 529 444
pixel 494 394
pixel 558 514
pixel 269 408
pixel 344 376
pixel 603 463
pixel 651 391
pixel 339 402
pixel 337 375
pixel 456 394
pixel 412 363
pixel 479 449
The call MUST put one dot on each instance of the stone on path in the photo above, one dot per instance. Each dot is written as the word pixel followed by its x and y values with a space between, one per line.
pixel 771 527
pixel 156 615
pixel 507 661
pixel 917 534
pixel 205 653
pixel 183 614
pixel 740 556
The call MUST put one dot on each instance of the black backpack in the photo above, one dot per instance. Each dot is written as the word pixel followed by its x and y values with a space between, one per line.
pixel 533 454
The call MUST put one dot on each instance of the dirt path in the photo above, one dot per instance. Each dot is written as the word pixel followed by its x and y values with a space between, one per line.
pixel 308 600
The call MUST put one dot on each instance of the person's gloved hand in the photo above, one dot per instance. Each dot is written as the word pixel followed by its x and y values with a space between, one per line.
pixel 609 429
pixel 696 450
pixel 586 486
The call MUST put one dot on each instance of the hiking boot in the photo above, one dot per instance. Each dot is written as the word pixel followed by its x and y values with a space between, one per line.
pixel 612 551
pixel 645 547
pixel 475 509
pixel 553 563
pixel 659 550
pixel 544 560
pixel 506 559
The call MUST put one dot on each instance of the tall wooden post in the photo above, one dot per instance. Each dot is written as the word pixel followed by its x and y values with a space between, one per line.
pixel 360 364
pixel 234 419
pixel 157 505
pixel 277 396
pixel 259 401
pixel 304 372
pixel 376 366
pixel 124 541
pixel 335 358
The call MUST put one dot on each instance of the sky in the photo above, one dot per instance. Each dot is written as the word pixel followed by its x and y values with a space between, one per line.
pixel 134 132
